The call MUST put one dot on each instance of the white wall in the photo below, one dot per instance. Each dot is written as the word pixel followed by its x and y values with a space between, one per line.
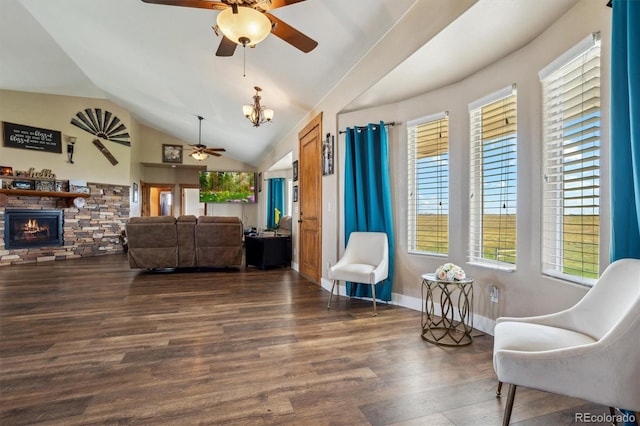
pixel 524 291
pixel 410 34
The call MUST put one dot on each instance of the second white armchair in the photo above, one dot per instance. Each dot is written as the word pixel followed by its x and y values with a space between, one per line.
pixel 590 351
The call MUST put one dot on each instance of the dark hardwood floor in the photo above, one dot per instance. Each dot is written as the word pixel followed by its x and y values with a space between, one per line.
pixel 89 341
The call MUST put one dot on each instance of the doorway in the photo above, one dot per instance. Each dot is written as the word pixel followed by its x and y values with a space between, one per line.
pixel 310 200
pixel 157 199
pixel 190 202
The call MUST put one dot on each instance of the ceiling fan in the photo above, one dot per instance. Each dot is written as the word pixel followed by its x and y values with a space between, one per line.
pixel 200 151
pixel 233 18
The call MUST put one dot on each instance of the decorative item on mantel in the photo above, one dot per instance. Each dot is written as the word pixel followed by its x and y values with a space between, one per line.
pixel 450 272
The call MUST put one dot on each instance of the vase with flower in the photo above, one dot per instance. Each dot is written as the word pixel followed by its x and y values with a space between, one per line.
pixel 450 272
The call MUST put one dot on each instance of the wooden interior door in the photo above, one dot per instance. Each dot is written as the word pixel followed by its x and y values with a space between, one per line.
pixel 310 200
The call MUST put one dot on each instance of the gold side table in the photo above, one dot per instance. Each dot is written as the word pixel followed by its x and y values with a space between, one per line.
pixel 454 326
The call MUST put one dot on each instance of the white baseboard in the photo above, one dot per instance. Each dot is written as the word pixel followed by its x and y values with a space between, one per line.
pixel 484 324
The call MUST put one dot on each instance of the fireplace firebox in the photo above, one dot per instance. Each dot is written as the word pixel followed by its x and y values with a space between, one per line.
pixel 32 228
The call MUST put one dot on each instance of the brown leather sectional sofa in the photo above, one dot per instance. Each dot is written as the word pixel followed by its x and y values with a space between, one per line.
pixel 185 242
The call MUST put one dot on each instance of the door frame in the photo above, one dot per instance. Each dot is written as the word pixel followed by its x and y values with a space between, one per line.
pixel 145 195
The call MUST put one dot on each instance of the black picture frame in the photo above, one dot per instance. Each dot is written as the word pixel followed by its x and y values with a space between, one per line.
pixel 327 155
pixel 295 171
pixel 295 194
pixel 172 154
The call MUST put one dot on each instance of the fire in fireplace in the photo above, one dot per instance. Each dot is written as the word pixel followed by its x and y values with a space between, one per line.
pixel 32 228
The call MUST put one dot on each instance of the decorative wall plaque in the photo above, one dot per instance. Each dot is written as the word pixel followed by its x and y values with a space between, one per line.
pixel 33 138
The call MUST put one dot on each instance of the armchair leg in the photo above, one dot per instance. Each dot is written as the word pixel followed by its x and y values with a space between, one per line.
pixel 331 294
pixel 612 411
pixel 499 391
pixel 373 293
pixel 509 407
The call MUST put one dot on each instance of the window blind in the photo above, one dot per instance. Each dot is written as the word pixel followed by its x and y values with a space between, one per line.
pixel 492 238
pixel 571 188
pixel 428 185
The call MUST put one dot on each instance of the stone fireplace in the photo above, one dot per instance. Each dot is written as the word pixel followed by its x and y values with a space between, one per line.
pixel 30 228
pixel 89 230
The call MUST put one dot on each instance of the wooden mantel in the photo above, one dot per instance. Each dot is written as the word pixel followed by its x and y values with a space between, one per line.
pixel 32 193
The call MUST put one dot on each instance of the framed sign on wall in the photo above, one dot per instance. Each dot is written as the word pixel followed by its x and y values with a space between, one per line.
pixel 33 138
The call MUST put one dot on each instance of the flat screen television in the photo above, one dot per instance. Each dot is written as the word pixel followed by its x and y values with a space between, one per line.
pixel 227 187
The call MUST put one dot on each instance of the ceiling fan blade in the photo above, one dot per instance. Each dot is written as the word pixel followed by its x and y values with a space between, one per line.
pixel 214 151
pixel 292 36
pixel 274 4
pixel 226 47
pixel 201 4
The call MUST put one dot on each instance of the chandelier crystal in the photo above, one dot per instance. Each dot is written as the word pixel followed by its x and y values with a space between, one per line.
pixel 255 112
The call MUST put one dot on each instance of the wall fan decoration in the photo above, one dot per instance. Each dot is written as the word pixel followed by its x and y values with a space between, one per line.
pixel 102 124
pixel 103 149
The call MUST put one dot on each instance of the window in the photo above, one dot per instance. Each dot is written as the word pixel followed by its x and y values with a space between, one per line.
pixel 571 186
pixel 428 184
pixel 493 180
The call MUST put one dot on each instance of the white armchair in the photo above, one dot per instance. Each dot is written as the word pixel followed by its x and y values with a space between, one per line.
pixel 590 351
pixel 365 260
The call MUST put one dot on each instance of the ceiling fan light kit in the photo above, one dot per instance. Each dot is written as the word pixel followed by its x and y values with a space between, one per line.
pixel 245 27
pixel 199 155
pixel 247 22
pixel 255 112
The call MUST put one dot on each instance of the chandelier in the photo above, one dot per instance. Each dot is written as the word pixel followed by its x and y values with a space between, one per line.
pixel 243 25
pixel 256 113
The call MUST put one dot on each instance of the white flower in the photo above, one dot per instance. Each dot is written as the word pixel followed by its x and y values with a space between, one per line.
pixel 450 272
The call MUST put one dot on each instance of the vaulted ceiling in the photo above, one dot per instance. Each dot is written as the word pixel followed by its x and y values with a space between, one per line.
pixel 159 61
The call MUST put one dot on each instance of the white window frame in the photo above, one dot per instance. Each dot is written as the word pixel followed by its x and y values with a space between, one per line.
pixel 499 172
pixel 571 161
pixel 434 181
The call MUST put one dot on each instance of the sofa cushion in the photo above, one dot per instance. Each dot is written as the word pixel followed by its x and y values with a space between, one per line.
pixel 218 241
pixel 186 228
pixel 153 242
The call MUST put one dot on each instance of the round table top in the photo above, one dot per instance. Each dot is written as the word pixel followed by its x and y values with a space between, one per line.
pixel 432 277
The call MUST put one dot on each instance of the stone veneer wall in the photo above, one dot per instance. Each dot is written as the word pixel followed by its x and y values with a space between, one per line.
pixel 92 230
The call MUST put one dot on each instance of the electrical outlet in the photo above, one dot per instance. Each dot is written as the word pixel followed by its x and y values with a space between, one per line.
pixel 494 293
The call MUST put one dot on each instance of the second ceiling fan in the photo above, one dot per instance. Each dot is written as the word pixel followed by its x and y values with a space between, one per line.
pixel 237 14
pixel 201 152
